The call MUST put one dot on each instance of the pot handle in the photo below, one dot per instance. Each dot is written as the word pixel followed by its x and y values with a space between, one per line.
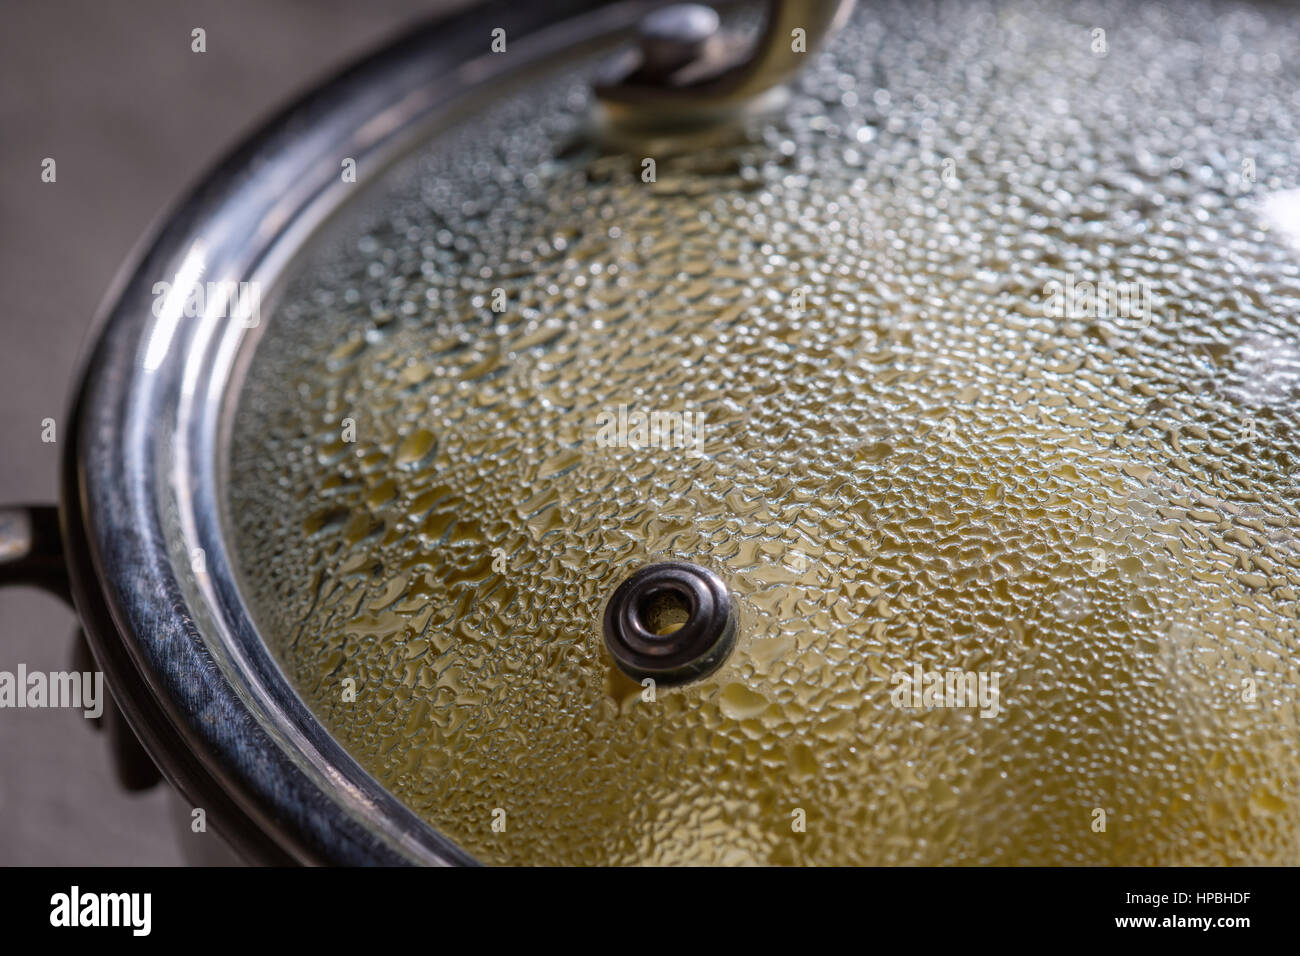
pixel 31 554
pixel 31 549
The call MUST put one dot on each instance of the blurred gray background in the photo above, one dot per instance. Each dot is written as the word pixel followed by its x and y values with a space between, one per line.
pixel 132 117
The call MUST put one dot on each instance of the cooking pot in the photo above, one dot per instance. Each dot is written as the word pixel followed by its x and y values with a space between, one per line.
pixel 580 435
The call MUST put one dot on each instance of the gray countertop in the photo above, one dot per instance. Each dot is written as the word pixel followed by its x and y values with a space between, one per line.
pixel 131 116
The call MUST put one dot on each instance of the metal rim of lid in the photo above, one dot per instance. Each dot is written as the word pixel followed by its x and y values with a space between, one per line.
pixel 141 477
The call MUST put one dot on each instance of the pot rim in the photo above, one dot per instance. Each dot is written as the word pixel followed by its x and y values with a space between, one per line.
pixel 142 476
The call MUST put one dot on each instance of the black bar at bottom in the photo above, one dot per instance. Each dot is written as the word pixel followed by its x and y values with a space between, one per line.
pixel 470 908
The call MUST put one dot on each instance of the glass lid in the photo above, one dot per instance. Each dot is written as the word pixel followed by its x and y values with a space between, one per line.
pixel 959 391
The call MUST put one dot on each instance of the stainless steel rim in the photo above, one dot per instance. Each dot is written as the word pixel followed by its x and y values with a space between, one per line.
pixel 142 479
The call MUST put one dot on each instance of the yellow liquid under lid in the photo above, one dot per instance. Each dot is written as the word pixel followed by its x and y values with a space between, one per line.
pixel 908 461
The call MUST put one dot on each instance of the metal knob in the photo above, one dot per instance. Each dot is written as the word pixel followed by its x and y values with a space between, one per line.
pixel 673 36
pixel 686 71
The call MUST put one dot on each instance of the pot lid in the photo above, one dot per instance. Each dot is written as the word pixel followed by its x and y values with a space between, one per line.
pixel 958 391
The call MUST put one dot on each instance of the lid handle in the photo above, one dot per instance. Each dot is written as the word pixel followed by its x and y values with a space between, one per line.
pixel 686 71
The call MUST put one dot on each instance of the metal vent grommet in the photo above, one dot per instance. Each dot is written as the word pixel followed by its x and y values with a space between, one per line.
pixel 672 622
